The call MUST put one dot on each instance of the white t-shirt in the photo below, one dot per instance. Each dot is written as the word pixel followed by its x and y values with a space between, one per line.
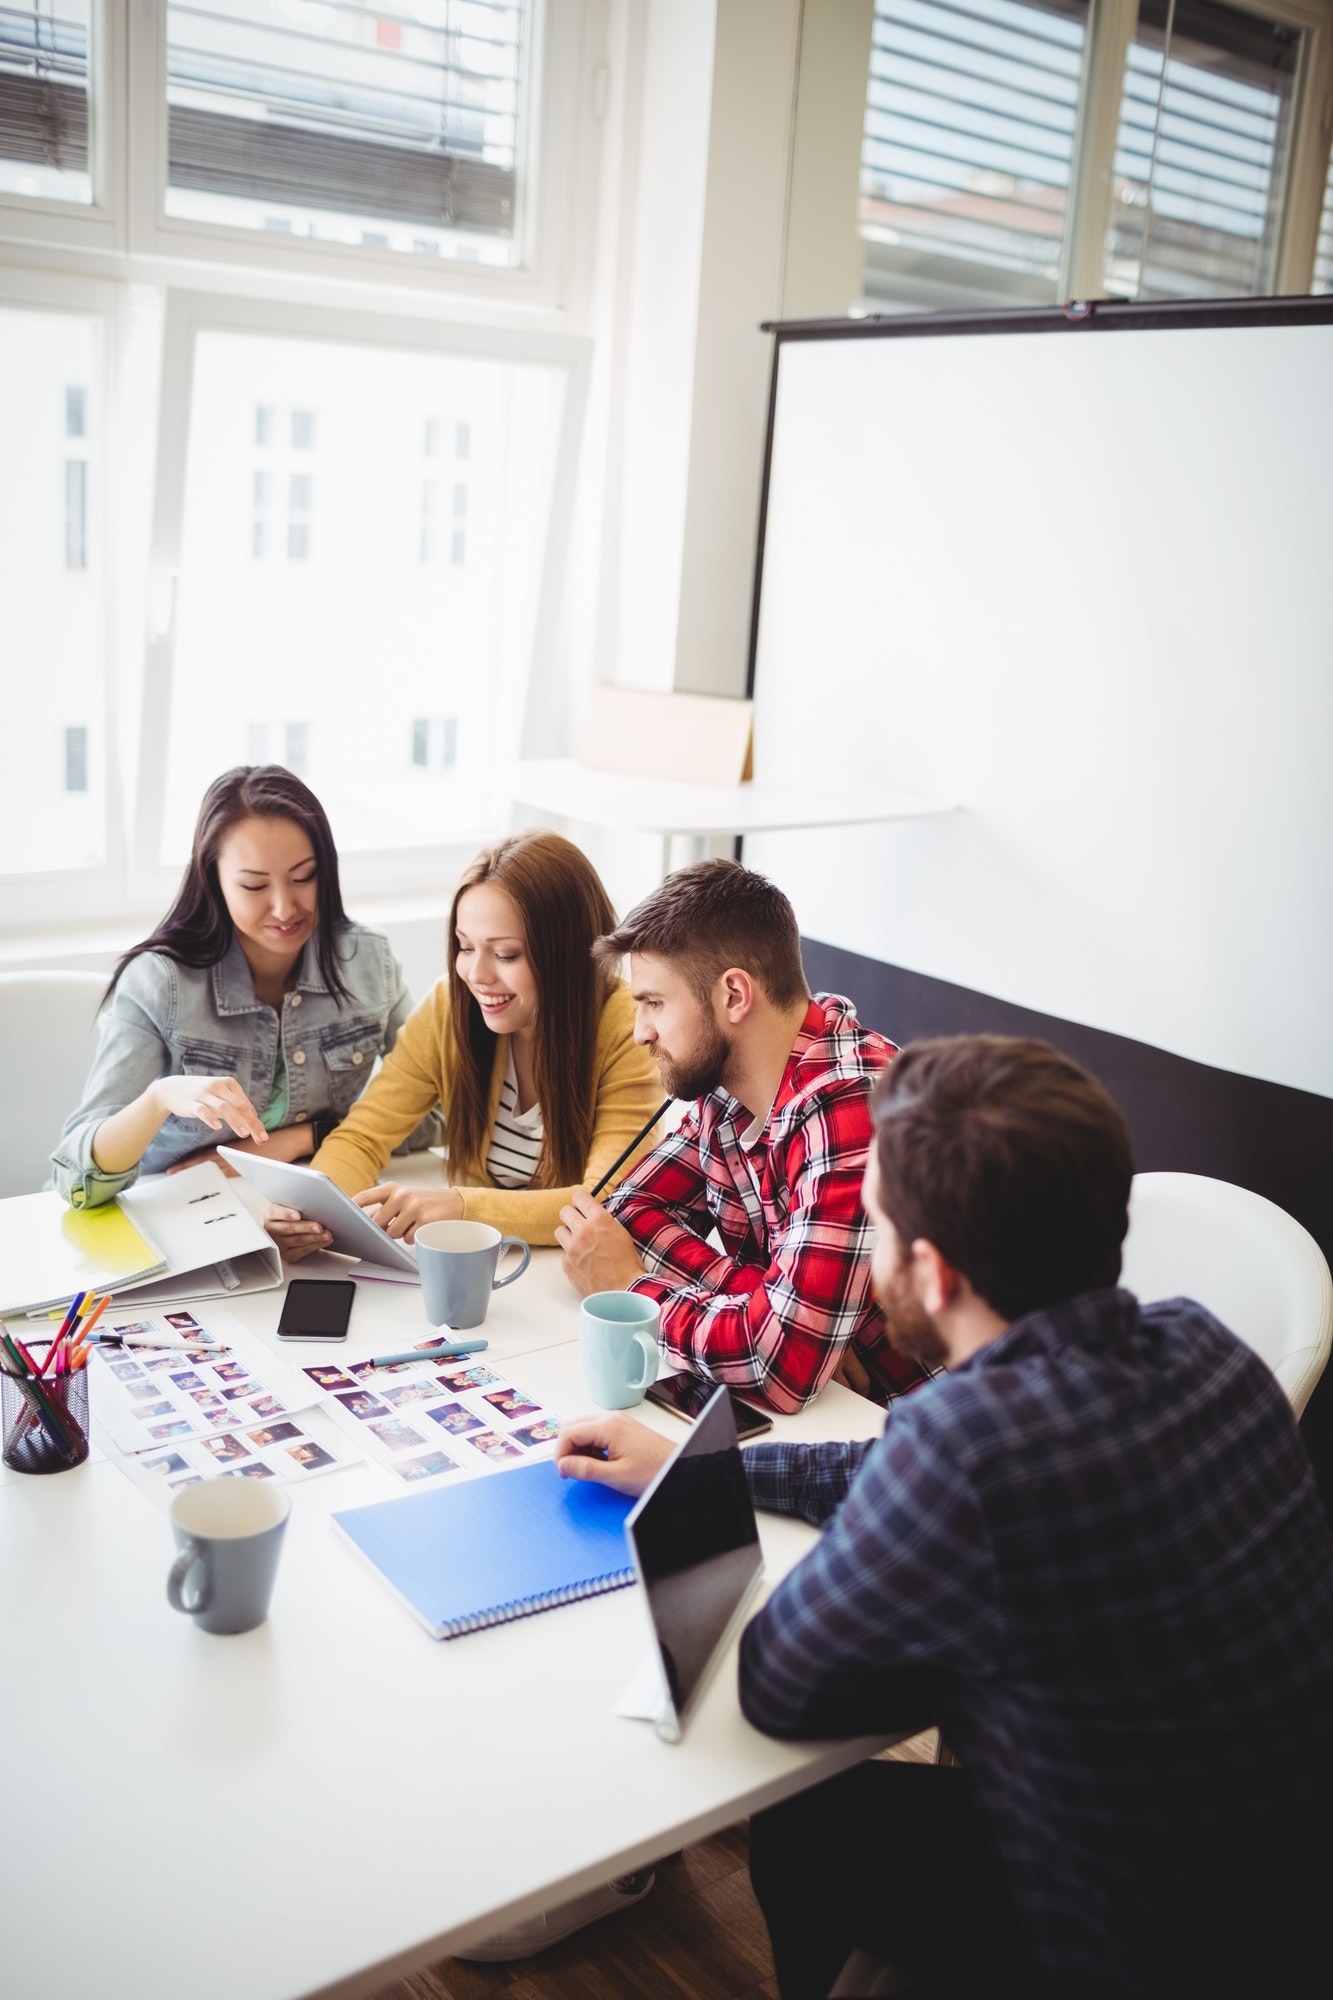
pixel 516 1138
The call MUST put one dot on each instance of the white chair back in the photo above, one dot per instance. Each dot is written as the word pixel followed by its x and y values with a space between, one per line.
pixel 48 1036
pixel 1247 1260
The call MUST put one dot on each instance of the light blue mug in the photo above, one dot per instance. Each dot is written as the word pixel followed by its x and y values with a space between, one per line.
pixel 618 1336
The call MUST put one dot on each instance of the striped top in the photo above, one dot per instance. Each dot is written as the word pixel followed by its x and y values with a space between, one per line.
pixel 516 1137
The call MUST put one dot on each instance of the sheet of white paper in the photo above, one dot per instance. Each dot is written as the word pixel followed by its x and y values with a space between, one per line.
pixel 644 1696
pixel 147 1398
pixel 425 1420
pixel 290 1451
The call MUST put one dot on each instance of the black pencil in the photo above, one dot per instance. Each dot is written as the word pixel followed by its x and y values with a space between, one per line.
pixel 638 1138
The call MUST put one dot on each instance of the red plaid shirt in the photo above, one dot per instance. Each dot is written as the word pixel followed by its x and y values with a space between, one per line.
pixel 773 1313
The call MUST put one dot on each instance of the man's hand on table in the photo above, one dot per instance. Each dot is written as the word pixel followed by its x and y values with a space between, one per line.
pixel 634 1454
pixel 599 1254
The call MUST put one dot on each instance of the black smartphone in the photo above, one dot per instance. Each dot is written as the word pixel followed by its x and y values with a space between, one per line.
pixel 685 1396
pixel 316 1309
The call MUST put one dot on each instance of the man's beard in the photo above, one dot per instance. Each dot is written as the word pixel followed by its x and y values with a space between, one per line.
pixel 909 1326
pixel 699 1071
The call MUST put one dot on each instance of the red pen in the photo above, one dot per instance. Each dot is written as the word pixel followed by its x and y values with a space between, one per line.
pixel 69 1320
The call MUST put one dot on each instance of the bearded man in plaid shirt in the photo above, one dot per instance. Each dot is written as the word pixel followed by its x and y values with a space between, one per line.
pixel 770 1157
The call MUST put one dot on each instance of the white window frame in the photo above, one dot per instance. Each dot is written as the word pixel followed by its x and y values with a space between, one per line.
pixel 1111 28
pixel 61 895
pixel 99 225
pixel 128 162
pixel 398 869
pixel 534 279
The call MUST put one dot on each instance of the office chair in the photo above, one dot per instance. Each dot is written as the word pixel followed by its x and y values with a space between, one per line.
pixel 47 1039
pixel 1243 1257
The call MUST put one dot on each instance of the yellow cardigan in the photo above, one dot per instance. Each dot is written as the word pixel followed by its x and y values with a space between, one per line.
pixel 417 1074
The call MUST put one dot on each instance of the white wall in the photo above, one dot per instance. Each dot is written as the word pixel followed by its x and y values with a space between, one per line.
pixel 1077 583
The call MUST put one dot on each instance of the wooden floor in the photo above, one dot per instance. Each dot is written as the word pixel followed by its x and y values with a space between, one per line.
pixel 698 1936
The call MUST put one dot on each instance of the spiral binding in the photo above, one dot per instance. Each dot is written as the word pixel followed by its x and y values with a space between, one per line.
pixel 527 1607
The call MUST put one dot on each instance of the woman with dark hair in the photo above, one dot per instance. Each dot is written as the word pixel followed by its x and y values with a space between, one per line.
pixel 256 1008
pixel 529 1047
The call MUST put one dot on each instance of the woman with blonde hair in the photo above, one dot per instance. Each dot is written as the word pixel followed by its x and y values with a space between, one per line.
pixel 527 1044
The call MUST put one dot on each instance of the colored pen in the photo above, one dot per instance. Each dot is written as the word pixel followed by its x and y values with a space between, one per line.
pixel 454 1350
pixel 65 1325
pixel 90 1322
pixel 156 1340
pixel 638 1138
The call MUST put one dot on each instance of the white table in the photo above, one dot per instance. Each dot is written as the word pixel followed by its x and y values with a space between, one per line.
pixel 671 809
pixel 335 1800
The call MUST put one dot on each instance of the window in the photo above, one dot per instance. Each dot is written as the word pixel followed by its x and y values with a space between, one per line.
pixel 299 488
pixel 968 144
pixel 403 129
pixel 414 665
pixel 296 747
pixel 435 743
pixel 1020 151
pixel 1323 263
pixel 44 99
pixel 76 759
pixel 1201 153
pixel 52 586
pixel 430 509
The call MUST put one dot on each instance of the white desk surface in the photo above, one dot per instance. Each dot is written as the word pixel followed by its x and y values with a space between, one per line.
pixel 335 1800
pixel 664 806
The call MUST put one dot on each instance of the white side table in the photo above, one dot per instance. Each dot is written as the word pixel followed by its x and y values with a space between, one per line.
pixel 672 810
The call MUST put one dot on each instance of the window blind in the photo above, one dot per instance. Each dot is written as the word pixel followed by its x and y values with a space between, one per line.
pixel 968 142
pixel 44 85
pixel 407 112
pixel 1198 217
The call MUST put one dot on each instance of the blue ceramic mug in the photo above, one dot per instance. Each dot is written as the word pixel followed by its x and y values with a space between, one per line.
pixel 618 1336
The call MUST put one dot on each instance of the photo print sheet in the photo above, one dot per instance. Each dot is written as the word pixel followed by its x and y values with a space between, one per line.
pixel 147 1399
pixel 284 1449
pixel 426 1420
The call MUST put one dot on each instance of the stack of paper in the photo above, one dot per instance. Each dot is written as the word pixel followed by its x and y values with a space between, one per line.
pixel 222 1410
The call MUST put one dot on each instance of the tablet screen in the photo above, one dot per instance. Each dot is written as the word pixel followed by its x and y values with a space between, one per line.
pixel 697 1545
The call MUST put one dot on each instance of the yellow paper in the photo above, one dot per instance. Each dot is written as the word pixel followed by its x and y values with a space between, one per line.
pixel 48 1252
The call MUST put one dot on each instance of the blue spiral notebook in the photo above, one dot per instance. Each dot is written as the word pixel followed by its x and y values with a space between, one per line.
pixel 499 1547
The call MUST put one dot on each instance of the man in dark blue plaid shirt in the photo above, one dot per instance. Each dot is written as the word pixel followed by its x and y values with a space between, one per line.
pixel 1092 1550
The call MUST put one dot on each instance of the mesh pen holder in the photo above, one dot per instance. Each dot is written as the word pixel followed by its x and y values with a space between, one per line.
pixel 44 1425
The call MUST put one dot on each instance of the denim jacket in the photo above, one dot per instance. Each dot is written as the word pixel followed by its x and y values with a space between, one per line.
pixel 166 1019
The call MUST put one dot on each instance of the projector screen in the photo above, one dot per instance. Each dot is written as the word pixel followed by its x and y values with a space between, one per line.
pixel 1079 583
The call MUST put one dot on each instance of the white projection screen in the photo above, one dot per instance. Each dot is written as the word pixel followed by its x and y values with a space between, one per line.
pixel 1079 583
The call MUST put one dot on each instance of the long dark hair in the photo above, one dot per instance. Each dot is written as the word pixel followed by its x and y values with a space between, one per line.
pixel 563 906
pixel 197 930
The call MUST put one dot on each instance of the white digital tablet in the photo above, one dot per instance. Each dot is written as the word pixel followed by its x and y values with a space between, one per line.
pixel 319 1199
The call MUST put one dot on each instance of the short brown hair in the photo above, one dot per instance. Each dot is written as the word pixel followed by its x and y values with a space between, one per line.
pixel 1012 1160
pixel 559 897
pixel 711 916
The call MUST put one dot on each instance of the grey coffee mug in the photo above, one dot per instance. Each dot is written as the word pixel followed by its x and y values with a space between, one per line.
pixel 229 1533
pixel 457 1262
